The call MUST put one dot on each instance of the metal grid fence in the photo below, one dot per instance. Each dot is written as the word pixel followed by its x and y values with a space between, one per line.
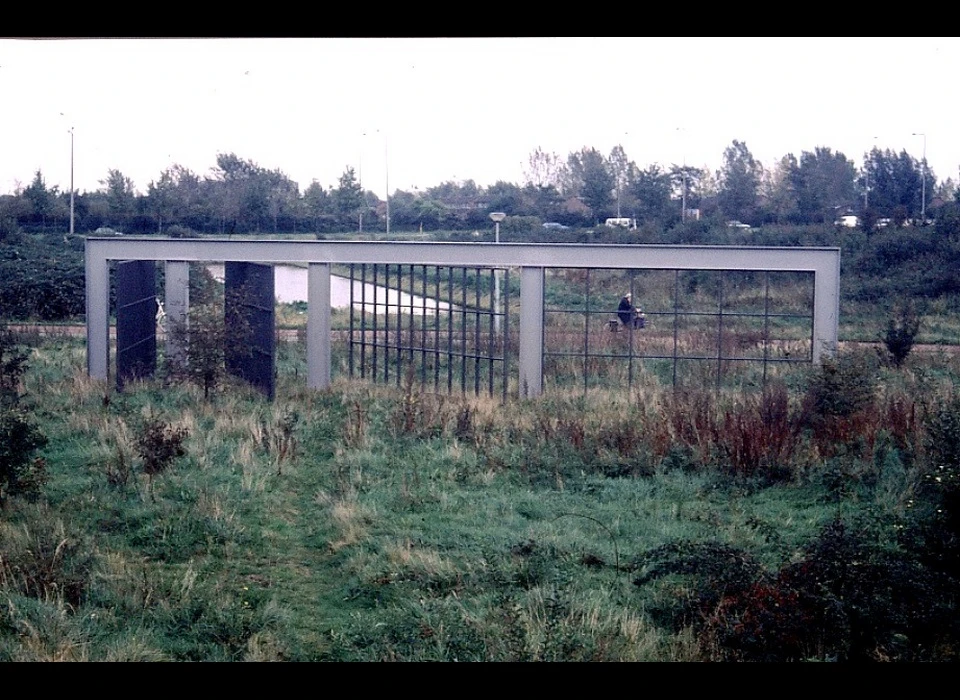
pixel 730 334
pixel 435 323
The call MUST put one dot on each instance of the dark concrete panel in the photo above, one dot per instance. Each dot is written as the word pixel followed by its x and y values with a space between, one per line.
pixel 136 320
pixel 249 309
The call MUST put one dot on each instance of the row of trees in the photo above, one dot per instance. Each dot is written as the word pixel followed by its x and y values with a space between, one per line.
pixel 239 196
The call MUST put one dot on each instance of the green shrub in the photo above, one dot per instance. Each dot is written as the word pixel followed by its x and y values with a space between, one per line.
pixel 42 559
pixel 158 444
pixel 13 363
pixel 937 504
pixel 837 404
pixel 846 599
pixel 760 436
pixel 20 472
pixel 943 433
pixel 840 387
pixel 901 333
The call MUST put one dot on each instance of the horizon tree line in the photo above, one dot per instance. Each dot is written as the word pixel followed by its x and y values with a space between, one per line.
pixel 581 190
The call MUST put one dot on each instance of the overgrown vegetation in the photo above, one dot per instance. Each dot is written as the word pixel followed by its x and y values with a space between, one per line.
pixel 815 521
pixel 159 444
pixel 901 333
pixel 21 473
pixel 204 338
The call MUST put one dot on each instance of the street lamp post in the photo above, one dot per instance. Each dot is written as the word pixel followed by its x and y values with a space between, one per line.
pixel 866 178
pixel 923 182
pixel 71 180
pixel 497 217
pixel 360 182
pixel 386 167
pixel 683 190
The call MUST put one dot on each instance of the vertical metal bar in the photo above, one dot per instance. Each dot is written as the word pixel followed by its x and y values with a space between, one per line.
pixel 410 326
pixel 450 331
pixel 399 332
pixel 504 345
pixel 477 345
pixel 586 327
pixel 401 371
pixel 492 338
pixel 676 322
pixel 828 347
pixel 363 321
pixel 463 335
pixel 720 329
pixel 633 296
pixel 386 325
pixel 350 336
pixel 376 335
pixel 385 342
pixel 436 330
pixel 766 324
pixel 423 323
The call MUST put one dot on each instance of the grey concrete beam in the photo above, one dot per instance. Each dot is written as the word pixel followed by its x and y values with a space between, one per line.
pixel 469 254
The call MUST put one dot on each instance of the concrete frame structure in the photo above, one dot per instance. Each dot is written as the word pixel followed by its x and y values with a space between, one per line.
pixel 532 259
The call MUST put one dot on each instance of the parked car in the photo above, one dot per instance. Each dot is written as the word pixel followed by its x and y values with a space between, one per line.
pixel 554 225
pixel 737 224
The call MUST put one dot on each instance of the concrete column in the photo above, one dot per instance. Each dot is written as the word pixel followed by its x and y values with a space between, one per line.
pixel 98 315
pixel 826 309
pixel 176 305
pixel 318 325
pixel 531 331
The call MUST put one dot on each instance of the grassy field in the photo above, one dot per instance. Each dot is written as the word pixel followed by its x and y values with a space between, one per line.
pixel 817 521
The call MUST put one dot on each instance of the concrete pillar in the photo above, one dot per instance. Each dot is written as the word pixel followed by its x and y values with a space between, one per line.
pixel 318 325
pixel 176 305
pixel 826 309
pixel 98 316
pixel 531 331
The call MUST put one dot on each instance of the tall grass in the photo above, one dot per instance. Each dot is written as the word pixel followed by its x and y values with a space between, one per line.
pixel 367 522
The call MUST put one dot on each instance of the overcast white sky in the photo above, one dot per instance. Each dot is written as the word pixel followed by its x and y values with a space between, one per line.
pixel 424 111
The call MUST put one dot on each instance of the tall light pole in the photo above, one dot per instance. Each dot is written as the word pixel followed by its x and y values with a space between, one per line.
pixel 70 131
pixel 360 182
pixel 683 181
pixel 71 180
pixel 497 217
pixel 866 177
pixel 923 182
pixel 386 166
